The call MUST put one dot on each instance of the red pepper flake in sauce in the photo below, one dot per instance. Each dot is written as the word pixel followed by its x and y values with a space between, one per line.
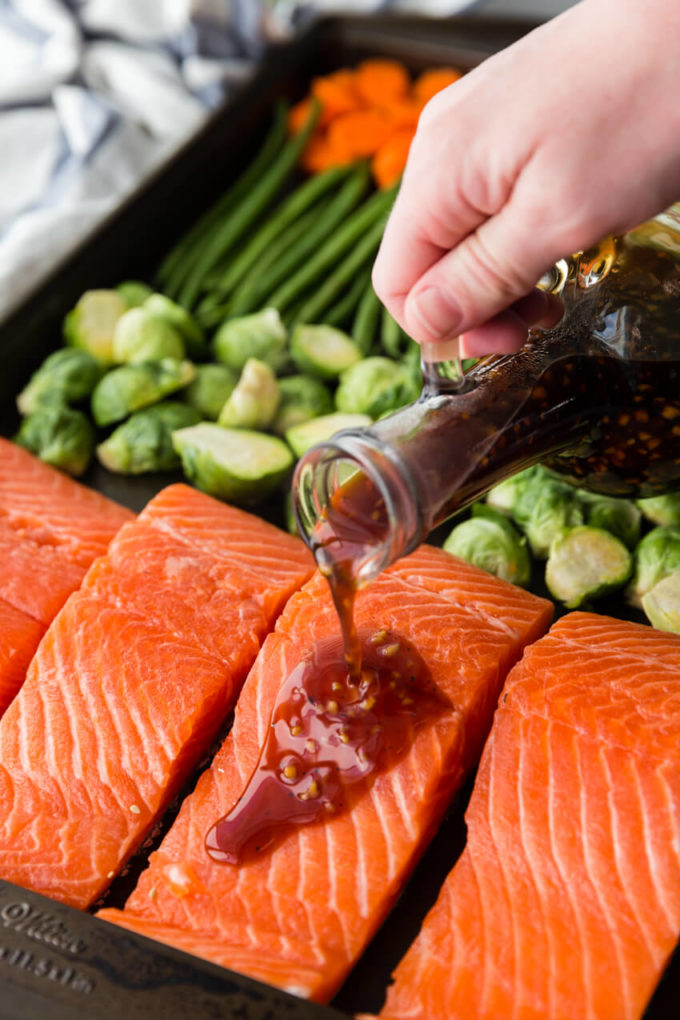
pixel 328 736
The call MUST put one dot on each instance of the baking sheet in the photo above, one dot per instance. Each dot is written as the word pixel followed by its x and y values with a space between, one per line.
pixel 56 962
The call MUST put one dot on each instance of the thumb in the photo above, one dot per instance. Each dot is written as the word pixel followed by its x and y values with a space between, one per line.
pixel 488 271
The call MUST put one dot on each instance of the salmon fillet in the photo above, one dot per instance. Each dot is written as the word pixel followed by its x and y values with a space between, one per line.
pixel 51 528
pixel 129 688
pixel 19 639
pixel 566 900
pixel 299 914
pixel 46 507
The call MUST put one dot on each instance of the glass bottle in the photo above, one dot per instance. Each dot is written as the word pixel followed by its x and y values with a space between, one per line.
pixel 596 399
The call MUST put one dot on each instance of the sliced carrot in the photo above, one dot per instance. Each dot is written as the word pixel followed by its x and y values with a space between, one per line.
pixel 299 115
pixel 402 113
pixel 433 81
pixel 360 133
pixel 337 94
pixel 320 154
pixel 390 160
pixel 378 81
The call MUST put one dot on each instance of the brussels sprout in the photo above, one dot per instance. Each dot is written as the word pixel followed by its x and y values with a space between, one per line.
pixel 586 563
pixel 60 436
pixel 301 398
pixel 90 325
pixel 134 293
pixel 262 336
pixel 618 516
pixel 323 351
pixel 489 540
pixel 140 335
pixel 661 509
pixel 233 464
pixel 254 401
pixel 662 604
pixel 303 437
pixel 656 556
pixel 179 319
pixel 144 442
pixel 509 493
pixel 375 386
pixel 65 376
pixel 209 391
pixel 550 508
pixel 131 387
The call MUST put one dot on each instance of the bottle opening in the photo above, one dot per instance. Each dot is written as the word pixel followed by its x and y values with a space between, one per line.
pixel 353 508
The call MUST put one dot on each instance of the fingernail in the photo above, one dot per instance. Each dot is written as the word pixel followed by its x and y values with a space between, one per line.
pixel 437 312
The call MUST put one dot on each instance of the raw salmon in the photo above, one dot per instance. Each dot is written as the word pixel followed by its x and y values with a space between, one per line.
pixel 299 914
pixel 130 686
pixel 566 900
pixel 51 528
pixel 19 637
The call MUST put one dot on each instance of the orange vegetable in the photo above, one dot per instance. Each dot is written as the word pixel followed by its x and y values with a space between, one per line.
pixel 378 81
pixel 299 115
pixel 337 94
pixel 402 113
pixel 431 82
pixel 390 160
pixel 358 134
pixel 321 155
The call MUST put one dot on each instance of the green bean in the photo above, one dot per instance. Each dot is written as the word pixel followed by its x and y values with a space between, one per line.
pixel 339 313
pixel 258 288
pixel 253 204
pixel 323 297
pixel 391 335
pixel 366 320
pixel 213 309
pixel 178 259
pixel 331 253
pixel 288 212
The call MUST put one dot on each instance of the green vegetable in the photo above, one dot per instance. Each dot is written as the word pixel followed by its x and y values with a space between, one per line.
pixel 140 335
pixel 346 238
pixel 289 211
pixel 60 436
pixel 314 309
pixel 494 544
pixel 303 437
pixel 375 386
pixel 545 511
pixel 392 337
pixel 181 258
pixel 131 387
pixel 179 319
pixel 91 323
pixel 511 492
pixel 301 398
pixel 246 212
pixel 254 401
pixel 296 247
pixel 661 509
pixel 656 556
pixel 144 442
pixel 343 309
pixel 619 516
pixel 134 293
pixel 586 563
pixel 322 351
pixel 662 604
pixel 233 464
pixel 262 336
pixel 366 320
pixel 209 391
pixel 65 376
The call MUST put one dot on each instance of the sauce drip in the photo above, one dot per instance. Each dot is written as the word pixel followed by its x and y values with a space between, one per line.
pixel 329 733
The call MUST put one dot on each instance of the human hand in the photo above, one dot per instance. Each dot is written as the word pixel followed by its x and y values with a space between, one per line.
pixel 570 134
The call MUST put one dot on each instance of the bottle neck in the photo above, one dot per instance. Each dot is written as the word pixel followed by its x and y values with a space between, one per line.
pixel 357 506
